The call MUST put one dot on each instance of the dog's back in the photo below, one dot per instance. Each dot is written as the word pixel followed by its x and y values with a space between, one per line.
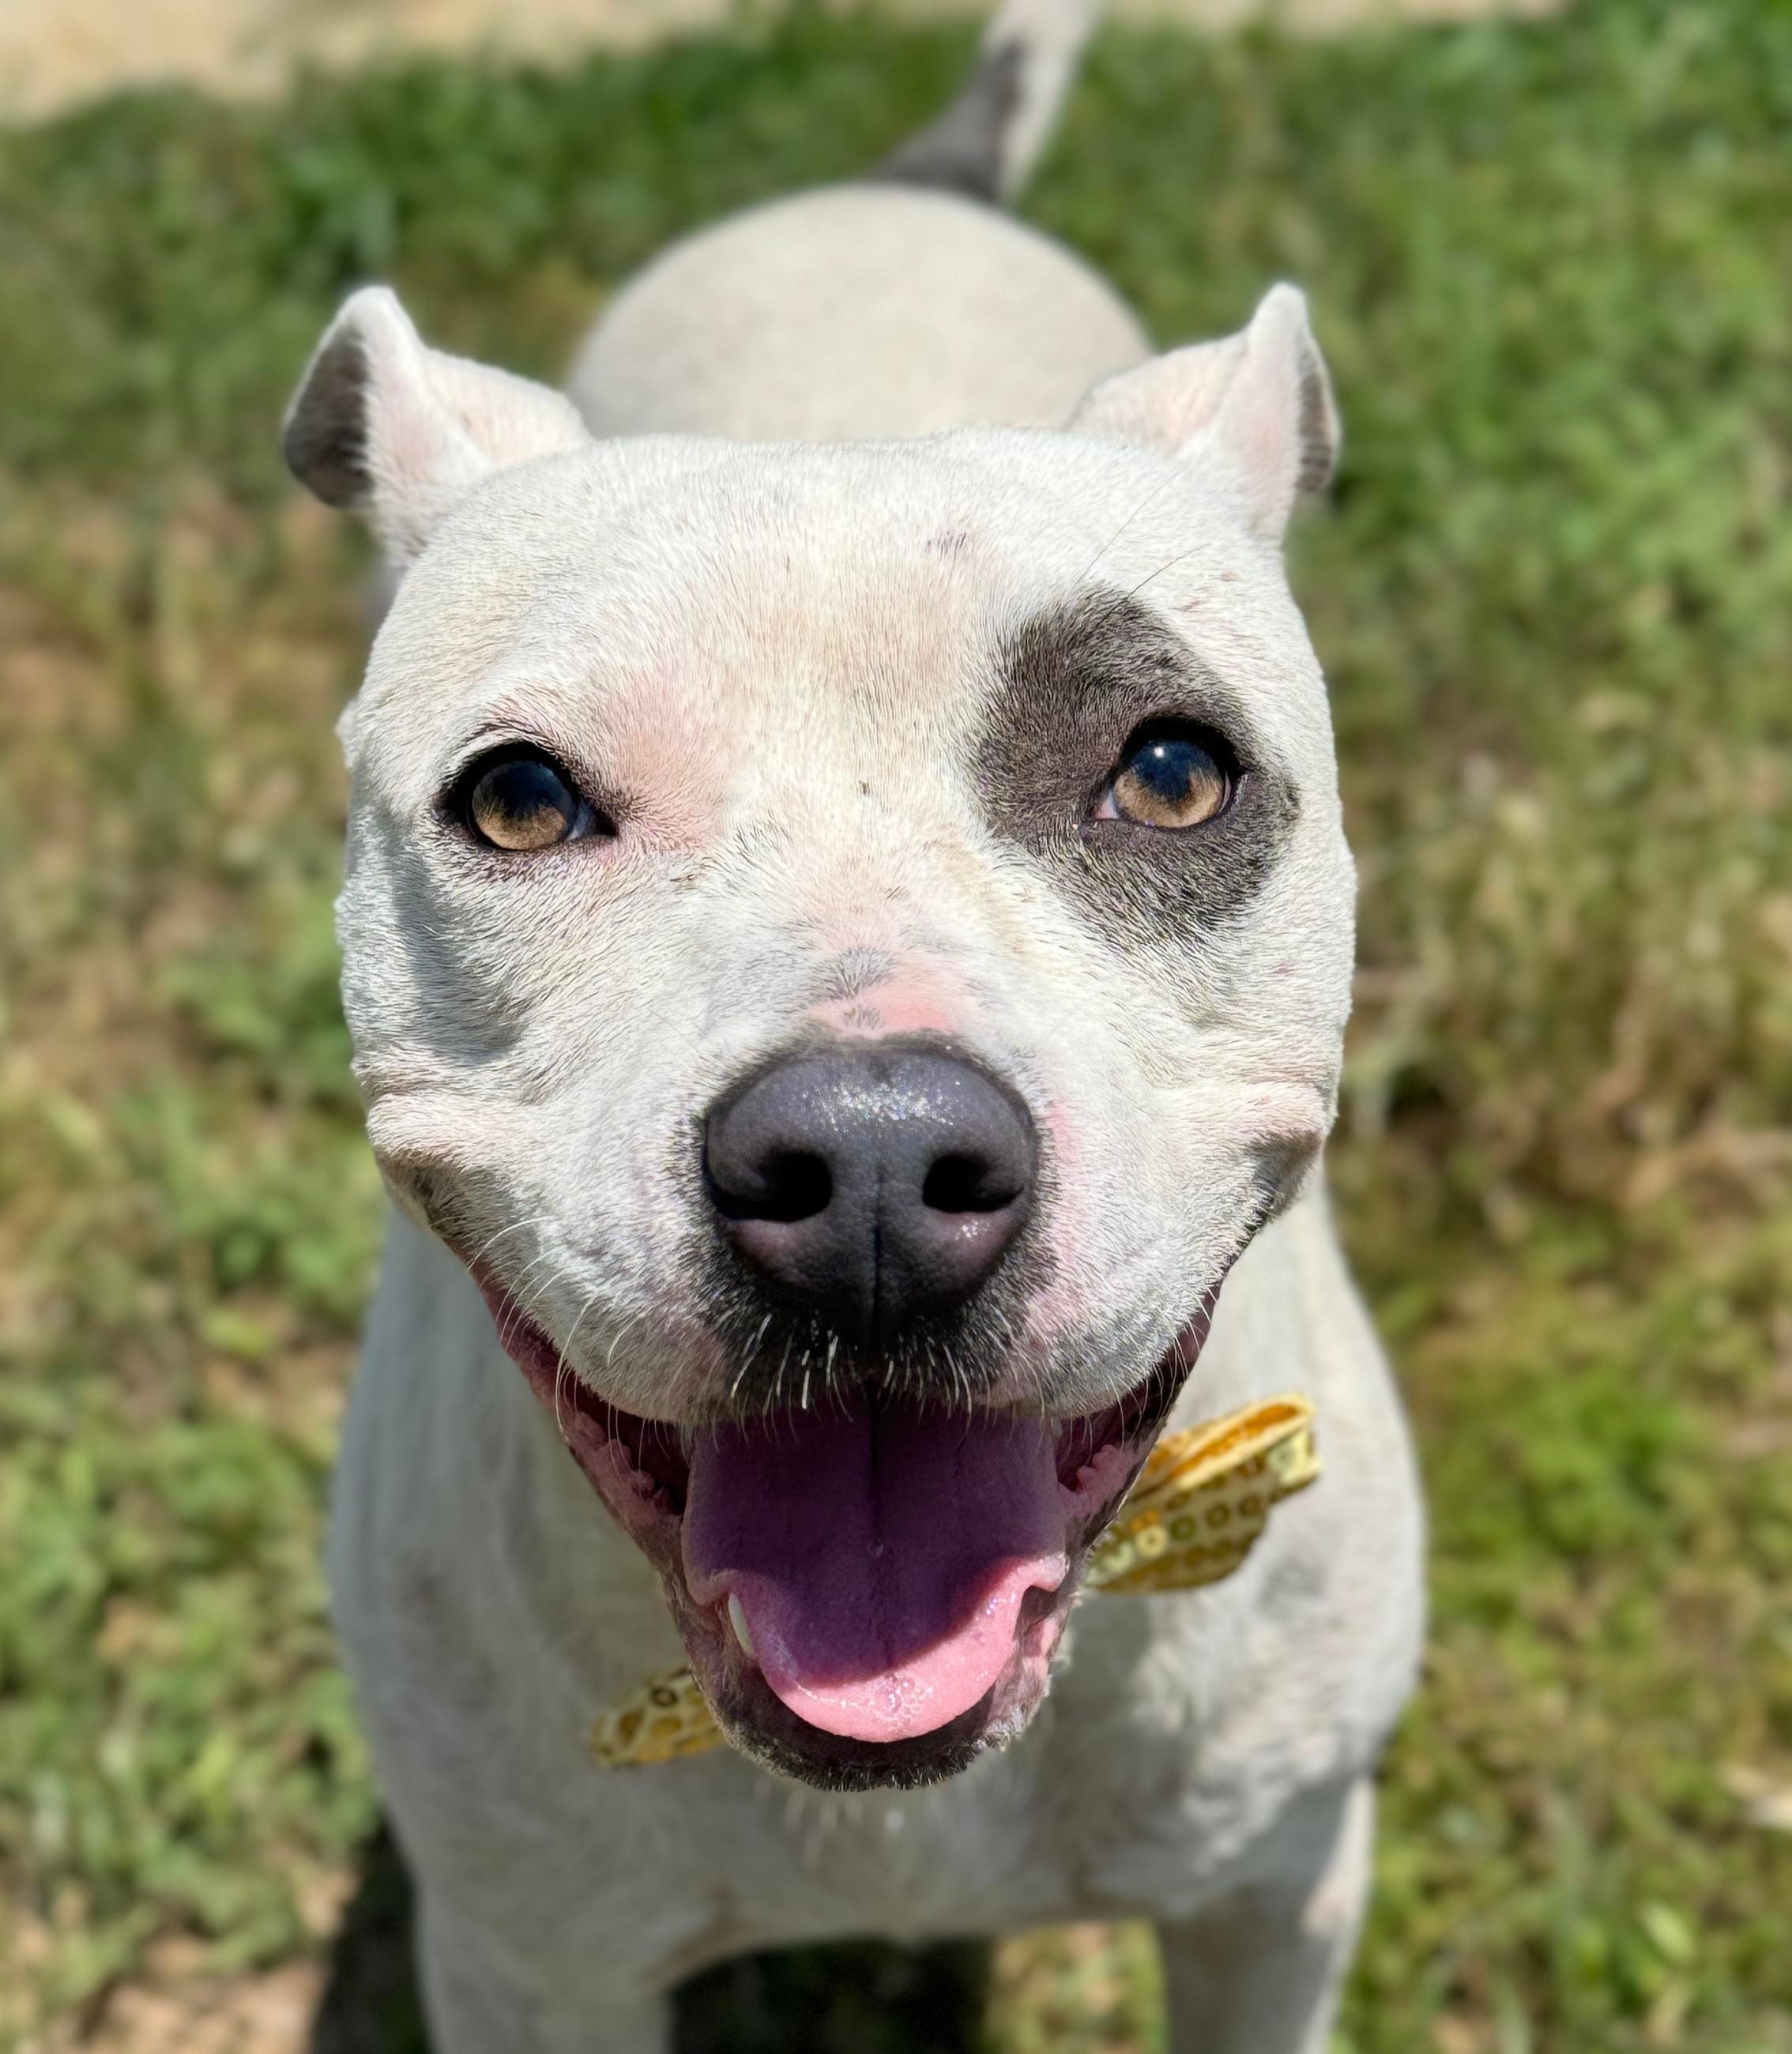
pixel 902 305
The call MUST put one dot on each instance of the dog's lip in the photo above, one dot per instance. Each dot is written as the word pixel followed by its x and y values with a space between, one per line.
pixel 637 1468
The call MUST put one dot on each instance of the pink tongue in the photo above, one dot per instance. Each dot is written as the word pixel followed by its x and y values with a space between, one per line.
pixel 880 1561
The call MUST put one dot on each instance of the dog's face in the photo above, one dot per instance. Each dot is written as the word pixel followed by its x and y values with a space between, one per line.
pixel 848 944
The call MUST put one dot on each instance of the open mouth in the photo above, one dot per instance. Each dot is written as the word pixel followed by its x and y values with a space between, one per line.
pixel 869 1594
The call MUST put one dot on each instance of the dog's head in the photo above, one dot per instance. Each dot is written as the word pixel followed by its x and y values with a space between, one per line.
pixel 848 944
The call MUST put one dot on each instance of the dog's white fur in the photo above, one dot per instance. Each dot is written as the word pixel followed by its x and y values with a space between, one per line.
pixel 844 315
pixel 777 648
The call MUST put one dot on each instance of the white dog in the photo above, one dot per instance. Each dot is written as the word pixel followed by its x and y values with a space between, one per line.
pixel 848 937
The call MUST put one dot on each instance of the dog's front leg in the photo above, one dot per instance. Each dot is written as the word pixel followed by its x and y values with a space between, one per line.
pixel 475 2003
pixel 1260 1973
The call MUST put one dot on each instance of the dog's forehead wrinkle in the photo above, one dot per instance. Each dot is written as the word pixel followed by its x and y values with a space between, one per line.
pixel 716 518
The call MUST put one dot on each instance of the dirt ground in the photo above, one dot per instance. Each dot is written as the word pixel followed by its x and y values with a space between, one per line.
pixel 56 54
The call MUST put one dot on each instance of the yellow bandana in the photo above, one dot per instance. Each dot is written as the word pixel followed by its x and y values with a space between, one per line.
pixel 1202 1498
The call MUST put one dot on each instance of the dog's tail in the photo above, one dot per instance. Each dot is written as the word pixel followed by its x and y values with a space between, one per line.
pixel 988 140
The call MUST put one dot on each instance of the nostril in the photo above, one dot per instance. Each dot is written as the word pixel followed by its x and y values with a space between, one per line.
pixel 969 1184
pixel 790 1184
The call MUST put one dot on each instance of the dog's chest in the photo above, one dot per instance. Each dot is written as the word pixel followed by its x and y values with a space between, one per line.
pixel 1111 1808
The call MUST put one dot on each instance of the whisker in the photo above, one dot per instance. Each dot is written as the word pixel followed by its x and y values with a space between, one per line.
pixel 516 1226
pixel 1150 498
pixel 563 1369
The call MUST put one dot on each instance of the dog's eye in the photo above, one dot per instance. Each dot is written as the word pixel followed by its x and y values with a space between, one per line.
pixel 518 799
pixel 1170 775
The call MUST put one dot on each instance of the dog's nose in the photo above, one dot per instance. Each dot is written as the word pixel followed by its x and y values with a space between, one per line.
pixel 879 1181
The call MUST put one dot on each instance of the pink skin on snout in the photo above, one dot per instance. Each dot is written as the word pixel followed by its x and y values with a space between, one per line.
pixel 891 1009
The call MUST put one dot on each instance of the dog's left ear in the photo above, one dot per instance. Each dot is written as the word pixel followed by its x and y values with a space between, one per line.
pixel 1258 404
pixel 385 425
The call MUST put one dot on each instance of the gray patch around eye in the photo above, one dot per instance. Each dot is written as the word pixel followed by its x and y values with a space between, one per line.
pixel 1071 685
pixel 325 439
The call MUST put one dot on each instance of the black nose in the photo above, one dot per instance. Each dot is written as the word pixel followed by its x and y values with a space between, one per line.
pixel 881 1181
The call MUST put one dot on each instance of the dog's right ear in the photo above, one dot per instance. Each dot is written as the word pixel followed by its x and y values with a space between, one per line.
pixel 385 425
pixel 1257 407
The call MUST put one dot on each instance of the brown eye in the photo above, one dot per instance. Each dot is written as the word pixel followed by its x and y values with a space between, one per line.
pixel 520 801
pixel 1169 776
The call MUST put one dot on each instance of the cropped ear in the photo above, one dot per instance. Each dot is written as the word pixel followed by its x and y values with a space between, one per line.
pixel 1259 404
pixel 385 425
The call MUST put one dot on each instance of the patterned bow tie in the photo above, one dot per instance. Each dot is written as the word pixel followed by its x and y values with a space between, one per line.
pixel 1203 1496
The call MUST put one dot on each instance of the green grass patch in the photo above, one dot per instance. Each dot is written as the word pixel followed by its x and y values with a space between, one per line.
pixel 1552 266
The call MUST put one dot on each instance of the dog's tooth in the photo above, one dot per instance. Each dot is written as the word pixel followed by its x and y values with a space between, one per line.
pixel 737 1619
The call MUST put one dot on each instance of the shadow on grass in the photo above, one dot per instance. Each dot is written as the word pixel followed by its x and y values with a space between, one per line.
pixel 855 1997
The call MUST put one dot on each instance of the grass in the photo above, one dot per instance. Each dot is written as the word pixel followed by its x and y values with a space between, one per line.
pixel 1553 267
